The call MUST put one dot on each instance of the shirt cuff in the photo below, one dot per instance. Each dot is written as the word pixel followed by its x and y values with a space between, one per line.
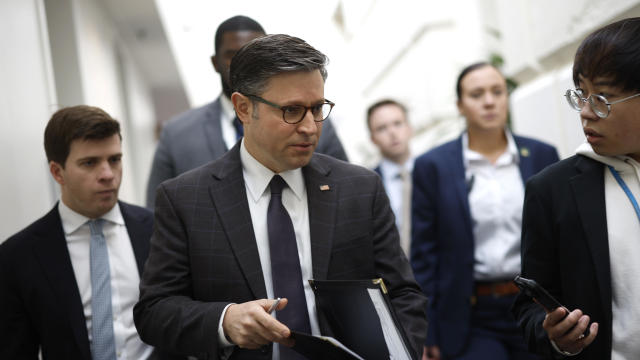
pixel 562 352
pixel 222 338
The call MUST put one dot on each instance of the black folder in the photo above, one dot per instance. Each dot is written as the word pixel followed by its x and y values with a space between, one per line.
pixel 357 311
pixel 322 347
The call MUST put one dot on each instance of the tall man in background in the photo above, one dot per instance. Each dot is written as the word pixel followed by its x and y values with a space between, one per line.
pixel 68 282
pixel 200 135
pixel 265 218
pixel 391 132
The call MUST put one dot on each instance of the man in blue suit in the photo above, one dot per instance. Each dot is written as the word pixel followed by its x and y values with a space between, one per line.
pixel 466 217
pixel 68 282
pixel 204 134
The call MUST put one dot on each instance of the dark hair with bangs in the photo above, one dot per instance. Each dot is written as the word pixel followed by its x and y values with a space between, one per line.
pixel 612 52
pixel 73 123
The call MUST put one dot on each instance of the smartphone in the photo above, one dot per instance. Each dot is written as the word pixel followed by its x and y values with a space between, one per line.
pixel 540 295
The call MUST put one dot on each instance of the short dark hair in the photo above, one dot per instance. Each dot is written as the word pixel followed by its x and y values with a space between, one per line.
pixel 76 122
pixel 381 103
pixel 236 23
pixel 262 58
pixel 612 51
pixel 469 69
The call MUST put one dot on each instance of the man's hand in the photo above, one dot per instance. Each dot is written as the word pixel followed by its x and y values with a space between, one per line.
pixel 431 353
pixel 250 326
pixel 567 332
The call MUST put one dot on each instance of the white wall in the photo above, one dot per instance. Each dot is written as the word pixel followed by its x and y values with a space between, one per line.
pixel 112 81
pixel 26 99
pixel 60 53
pixel 404 49
pixel 539 40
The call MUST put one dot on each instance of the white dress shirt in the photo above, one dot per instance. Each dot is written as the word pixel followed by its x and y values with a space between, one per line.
pixel 393 185
pixel 294 199
pixel 392 180
pixel 495 200
pixel 124 275
pixel 227 115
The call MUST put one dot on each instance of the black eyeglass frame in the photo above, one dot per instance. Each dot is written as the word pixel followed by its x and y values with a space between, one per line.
pixel 284 108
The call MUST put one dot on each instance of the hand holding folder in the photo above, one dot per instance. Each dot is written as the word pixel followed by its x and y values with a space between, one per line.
pixel 364 323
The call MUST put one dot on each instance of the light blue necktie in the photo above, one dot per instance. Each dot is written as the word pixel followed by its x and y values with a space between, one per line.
pixel 103 343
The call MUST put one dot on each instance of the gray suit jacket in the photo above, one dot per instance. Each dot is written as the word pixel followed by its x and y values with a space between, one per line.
pixel 204 256
pixel 194 138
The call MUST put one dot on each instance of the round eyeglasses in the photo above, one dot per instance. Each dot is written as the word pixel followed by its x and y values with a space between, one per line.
pixel 598 103
pixel 293 114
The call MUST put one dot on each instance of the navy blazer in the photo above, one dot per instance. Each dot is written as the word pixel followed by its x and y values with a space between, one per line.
pixel 442 247
pixel 40 305
pixel 565 248
pixel 194 138
pixel 204 253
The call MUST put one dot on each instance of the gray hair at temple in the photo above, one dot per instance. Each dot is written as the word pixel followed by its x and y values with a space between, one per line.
pixel 262 58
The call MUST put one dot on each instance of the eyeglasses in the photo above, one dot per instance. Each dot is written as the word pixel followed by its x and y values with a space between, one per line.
pixel 598 103
pixel 293 114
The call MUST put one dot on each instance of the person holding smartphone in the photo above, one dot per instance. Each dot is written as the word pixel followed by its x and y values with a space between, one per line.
pixel 581 220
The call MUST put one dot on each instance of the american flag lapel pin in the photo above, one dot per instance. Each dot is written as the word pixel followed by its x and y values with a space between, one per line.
pixel 324 187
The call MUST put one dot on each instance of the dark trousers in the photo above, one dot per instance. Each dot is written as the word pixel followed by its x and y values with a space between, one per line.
pixel 494 333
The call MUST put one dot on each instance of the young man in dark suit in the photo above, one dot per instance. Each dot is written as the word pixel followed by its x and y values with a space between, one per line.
pixel 265 218
pixel 204 134
pixel 68 282
pixel 581 219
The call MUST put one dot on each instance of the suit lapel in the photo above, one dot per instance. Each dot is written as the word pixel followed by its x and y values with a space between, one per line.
pixel 213 130
pixel 229 197
pixel 52 253
pixel 322 195
pixel 455 163
pixel 525 163
pixel 139 234
pixel 588 192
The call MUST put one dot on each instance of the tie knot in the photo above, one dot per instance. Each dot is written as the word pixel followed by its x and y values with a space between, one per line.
pixel 96 226
pixel 277 184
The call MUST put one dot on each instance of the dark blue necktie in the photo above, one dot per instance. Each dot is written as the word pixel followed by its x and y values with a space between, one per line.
pixel 238 126
pixel 285 267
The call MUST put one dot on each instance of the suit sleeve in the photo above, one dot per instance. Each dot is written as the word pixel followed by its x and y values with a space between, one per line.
pixel 18 338
pixel 329 143
pixel 539 262
pixel 162 168
pixel 424 241
pixel 392 265
pixel 167 316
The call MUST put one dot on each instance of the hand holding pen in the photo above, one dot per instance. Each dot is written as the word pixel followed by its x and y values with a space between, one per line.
pixel 250 325
pixel 274 306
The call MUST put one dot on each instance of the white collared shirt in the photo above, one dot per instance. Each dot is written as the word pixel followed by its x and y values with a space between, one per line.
pixel 495 200
pixel 392 180
pixel 226 121
pixel 124 275
pixel 294 199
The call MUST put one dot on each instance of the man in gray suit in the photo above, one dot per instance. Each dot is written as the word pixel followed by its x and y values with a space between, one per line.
pixel 263 219
pixel 203 134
